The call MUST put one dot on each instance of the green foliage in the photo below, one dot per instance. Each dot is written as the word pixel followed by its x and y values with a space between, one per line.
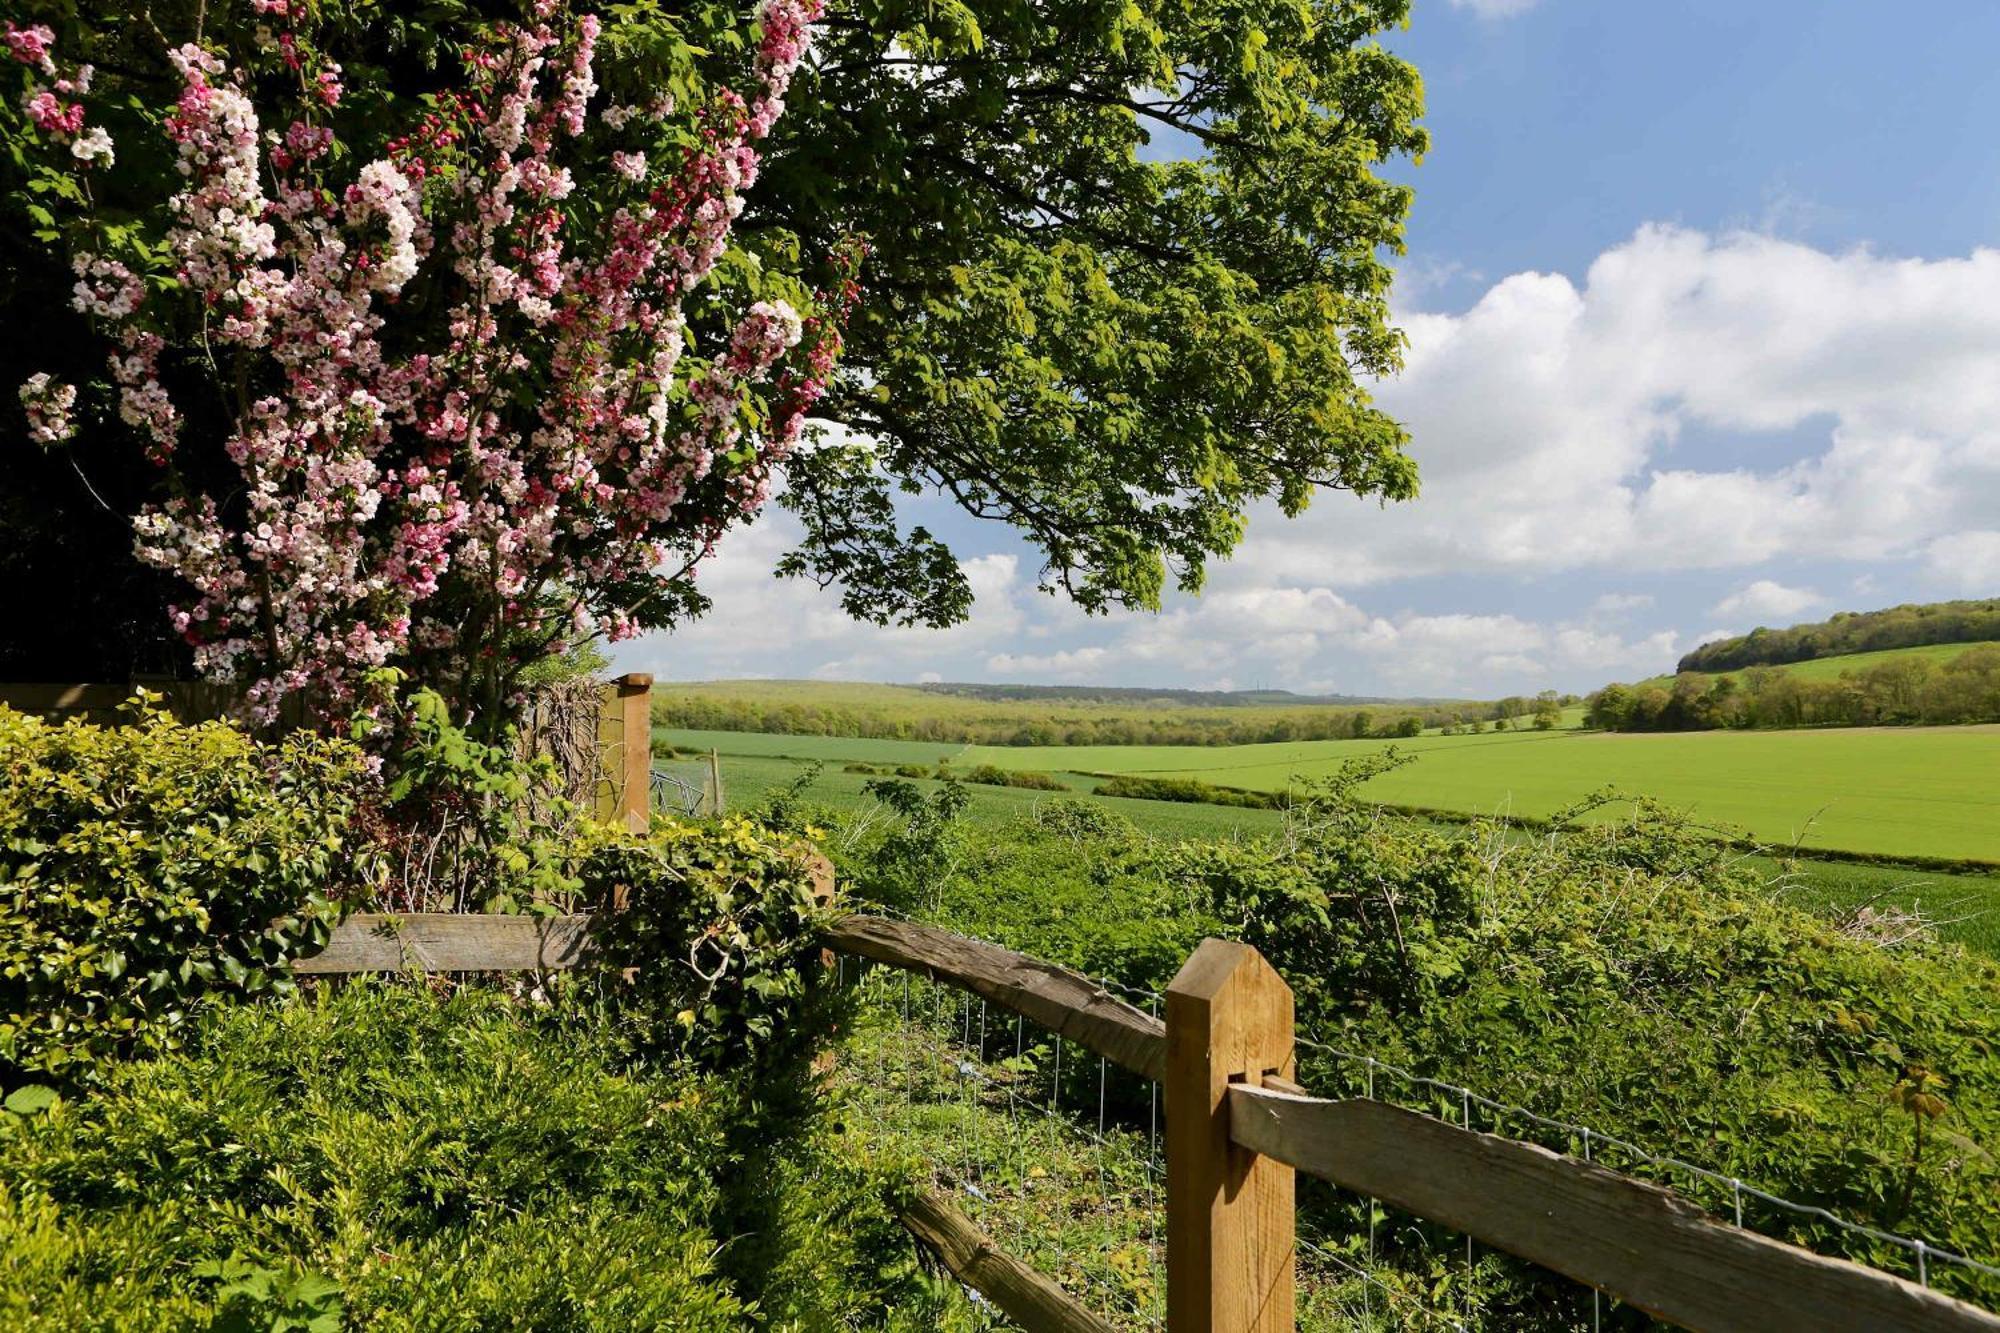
pixel 718 924
pixel 411 1162
pixel 1893 688
pixel 922 848
pixel 985 775
pixel 1115 352
pixel 1192 790
pixel 1852 632
pixel 989 775
pixel 250 1298
pixel 1633 975
pixel 464 824
pixel 149 868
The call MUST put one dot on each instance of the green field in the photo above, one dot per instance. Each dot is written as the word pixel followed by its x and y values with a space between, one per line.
pixel 754 765
pixel 1895 791
pixel 1886 791
pixel 749 778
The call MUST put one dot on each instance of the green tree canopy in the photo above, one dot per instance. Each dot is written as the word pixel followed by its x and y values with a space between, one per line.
pixel 1067 327
pixel 1128 278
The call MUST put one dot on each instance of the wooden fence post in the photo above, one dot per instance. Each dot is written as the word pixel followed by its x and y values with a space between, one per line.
pixel 1230 1212
pixel 635 708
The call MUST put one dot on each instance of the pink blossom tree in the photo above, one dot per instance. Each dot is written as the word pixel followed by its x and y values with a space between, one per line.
pixel 486 393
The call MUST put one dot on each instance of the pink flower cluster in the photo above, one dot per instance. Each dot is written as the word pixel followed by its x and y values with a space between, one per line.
pixel 521 459
pixel 48 405
pixel 32 46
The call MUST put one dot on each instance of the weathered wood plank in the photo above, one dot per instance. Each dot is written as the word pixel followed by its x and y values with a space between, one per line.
pixel 1230 1212
pixel 451 942
pixel 1633 1240
pixel 1054 997
pixel 1022 1294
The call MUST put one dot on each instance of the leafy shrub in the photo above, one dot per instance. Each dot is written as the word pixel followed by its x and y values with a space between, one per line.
pixel 717 924
pixel 991 775
pixel 147 868
pixel 1192 790
pixel 425 1164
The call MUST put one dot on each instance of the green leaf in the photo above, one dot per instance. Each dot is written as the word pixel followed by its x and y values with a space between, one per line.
pixel 30 1099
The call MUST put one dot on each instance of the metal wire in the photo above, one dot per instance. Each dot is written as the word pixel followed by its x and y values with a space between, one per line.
pixel 1923 1250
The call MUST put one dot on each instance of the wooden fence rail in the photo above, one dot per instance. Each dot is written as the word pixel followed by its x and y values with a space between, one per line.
pixel 1237 1129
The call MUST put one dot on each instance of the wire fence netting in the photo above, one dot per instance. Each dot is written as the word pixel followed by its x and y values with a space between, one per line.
pixel 1060 1157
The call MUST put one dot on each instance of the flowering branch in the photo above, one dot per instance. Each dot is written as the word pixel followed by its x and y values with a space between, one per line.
pixel 469 426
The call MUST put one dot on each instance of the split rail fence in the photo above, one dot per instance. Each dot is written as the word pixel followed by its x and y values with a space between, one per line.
pixel 1238 1129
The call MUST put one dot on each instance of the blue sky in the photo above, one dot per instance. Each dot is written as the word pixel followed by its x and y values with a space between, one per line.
pixel 1704 308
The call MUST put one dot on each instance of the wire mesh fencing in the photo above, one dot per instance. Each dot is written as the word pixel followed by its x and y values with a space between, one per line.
pixel 1061 1157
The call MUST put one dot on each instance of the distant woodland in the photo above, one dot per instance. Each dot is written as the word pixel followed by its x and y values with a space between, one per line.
pixel 1912 626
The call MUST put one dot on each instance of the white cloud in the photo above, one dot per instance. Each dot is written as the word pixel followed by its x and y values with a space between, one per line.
pixel 1550 419
pixel 1768 598
pixel 1621 603
pixel 1694 403
pixel 1068 666
pixel 1966 562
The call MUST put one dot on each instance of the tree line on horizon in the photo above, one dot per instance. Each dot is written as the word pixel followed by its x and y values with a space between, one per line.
pixel 1083 723
pixel 1912 625
pixel 1902 691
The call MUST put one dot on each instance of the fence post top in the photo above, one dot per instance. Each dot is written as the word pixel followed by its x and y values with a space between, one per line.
pixel 1219 964
pixel 633 681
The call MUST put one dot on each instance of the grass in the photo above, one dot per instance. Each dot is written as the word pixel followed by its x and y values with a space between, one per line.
pixel 1912 791
pixel 827 749
pixel 1965 907
pixel 747 779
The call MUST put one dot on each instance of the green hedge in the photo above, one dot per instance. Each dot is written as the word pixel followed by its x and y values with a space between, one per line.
pixel 1191 791
pixel 147 868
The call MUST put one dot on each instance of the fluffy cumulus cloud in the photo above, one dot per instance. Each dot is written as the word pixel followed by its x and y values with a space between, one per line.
pixel 1304 638
pixel 1966 562
pixel 1695 407
pixel 1554 419
pixel 1769 599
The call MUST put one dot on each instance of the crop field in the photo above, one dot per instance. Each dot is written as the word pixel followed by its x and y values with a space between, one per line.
pixel 1966 907
pixel 748 779
pixel 1911 791
pixel 1891 791
pixel 833 750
